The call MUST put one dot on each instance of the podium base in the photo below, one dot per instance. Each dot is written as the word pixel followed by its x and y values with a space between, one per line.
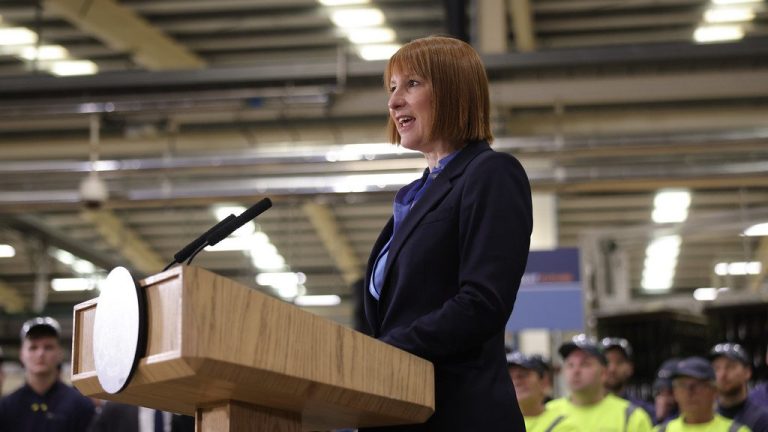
pixel 234 416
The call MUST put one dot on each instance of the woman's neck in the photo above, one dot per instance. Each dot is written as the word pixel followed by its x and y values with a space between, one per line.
pixel 440 149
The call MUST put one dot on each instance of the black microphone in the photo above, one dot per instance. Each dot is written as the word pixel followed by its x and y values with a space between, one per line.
pixel 244 217
pixel 189 249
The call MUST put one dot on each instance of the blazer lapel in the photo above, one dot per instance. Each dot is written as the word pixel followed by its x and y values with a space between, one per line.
pixel 432 196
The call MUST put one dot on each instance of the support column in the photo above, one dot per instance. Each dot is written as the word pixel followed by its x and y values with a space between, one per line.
pixel 544 236
pixel 491 27
pixel 522 19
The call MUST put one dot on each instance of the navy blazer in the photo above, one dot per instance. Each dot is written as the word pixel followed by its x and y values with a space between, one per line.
pixel 450 283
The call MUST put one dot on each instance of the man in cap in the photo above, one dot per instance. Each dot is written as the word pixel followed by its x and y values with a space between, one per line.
pixel 44 403
pixel 620 369
pixel 733 370
pixel 529 376
pixel 665 407
pixel 589 405
pixel 693 383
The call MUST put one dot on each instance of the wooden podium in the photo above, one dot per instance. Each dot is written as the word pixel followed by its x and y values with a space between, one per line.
pixel 239 360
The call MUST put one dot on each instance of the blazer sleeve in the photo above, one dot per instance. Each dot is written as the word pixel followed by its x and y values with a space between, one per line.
pixel 495 223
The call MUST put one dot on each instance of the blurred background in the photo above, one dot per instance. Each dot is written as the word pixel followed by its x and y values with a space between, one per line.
pixel 127 128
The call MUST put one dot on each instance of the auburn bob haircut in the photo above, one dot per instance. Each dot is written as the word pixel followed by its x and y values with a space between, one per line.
pixel 460 100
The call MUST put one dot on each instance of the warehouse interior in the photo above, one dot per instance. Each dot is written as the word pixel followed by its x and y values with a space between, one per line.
pixel 635 121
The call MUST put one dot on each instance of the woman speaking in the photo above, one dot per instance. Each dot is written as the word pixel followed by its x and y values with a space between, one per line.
pixel 444 273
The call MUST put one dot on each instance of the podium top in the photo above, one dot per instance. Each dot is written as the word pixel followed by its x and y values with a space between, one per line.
pixel 211 339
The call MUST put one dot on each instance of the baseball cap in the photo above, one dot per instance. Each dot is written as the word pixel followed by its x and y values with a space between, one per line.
pixel 584 343
pixel 617 342
pixel 534 362
pixel 730 350
pixel 664 375
pixel 45 325
pixel 694 367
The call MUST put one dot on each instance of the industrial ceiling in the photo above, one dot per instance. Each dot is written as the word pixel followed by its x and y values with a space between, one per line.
pixel 204 103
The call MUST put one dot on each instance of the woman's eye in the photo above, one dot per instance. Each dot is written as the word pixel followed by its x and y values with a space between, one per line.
pixel 412 83
pixel 392 89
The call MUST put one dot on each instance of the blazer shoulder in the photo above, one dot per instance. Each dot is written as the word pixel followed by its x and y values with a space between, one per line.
pixel 491 163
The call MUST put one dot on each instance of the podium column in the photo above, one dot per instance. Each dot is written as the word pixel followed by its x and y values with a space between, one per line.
pixel 235 416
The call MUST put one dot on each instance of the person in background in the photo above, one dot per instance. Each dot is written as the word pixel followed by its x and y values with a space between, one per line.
pixel 759 395
pixel 529 376
pixel 118 417
pixel 733 371
pixel 589 405
pixel 548 378
pixel 693 383
pixel 665 407
pixel 443 275
pixel 620 369
pixel 44 403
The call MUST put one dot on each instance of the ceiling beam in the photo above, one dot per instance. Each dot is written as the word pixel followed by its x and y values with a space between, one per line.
pixel 335 240
pixel 31 226
pixel 124 30
pixel 289 71
pixel 124 240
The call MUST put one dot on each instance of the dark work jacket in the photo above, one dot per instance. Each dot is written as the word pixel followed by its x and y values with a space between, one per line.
pixel 119 417
pixel 747 413
pixel 61 409
pixel 450 283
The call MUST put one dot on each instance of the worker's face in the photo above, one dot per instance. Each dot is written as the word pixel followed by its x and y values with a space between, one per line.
pixel 41 356
pixel 664 403
pixel 731 375
pixel 528 384
pixel 583 371
pixel 619 369
pixel 694 396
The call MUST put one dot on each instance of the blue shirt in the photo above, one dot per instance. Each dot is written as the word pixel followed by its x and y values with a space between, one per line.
pixel 60 409
pixel 405 199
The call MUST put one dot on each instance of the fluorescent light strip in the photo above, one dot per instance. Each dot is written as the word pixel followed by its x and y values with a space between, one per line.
pixel 364 28
pixel 7 251
pixel 353 18
pixel 671 206
pixel 317 300
pixel 44 53
pixel 17 36
pixel 660 263
pixel 738 268
pixel 373 35
pixel 377 51
pixel 332 3
pixel 280 278
pixel 705 294
pixel 723 15
pixel 73 67
pixel 720 33
pixel 757 230
pixel 734 2
pixel 73 284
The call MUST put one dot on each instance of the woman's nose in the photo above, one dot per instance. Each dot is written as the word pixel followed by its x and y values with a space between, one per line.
pixel 395 100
